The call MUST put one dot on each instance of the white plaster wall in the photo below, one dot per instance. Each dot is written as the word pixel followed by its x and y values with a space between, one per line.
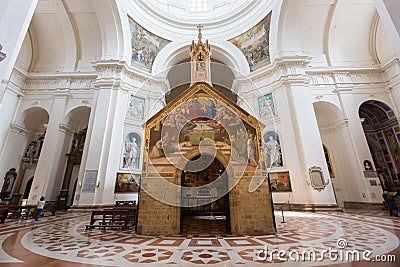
pixel 7 111
pixel 25 55
pixel 384 46
pixel 89 40
pixel 116 145
pixel 312 25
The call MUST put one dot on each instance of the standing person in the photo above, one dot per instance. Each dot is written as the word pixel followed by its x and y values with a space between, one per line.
pixel 39 208
pixel 389 199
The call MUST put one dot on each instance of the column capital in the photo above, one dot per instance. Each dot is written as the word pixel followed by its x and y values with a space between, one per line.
pixel 65 129
pixel 18 129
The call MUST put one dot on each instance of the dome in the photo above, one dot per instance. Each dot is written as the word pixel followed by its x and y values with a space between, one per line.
pixel 177 19
pixel 197 9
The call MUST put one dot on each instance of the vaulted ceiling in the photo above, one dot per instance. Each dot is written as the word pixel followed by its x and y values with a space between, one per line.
pixel 67 35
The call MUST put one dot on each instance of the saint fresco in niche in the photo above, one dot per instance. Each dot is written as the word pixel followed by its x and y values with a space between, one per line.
pixel 272 149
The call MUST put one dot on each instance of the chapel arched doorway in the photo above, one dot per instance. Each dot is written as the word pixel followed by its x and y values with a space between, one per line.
pixel 203 210
pixel 28 188
pixel 382 132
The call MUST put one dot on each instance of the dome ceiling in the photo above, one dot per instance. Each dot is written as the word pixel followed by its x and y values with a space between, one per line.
pixel 197 9
pixel 177 19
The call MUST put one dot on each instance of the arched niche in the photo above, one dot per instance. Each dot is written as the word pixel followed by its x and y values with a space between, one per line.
pixel 382 132
pixel 77 119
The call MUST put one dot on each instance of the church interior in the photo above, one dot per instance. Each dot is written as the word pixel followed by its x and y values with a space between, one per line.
pixel 198 132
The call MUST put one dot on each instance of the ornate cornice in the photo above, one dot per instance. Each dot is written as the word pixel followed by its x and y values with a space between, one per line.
pixel 335 127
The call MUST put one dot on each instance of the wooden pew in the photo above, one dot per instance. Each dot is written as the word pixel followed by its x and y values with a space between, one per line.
pixel 21 212
pixel 50 206
pixel 27 212
pixel 132 211
pixel 129 205
pixel 109 219
pixel 3 213
pixel 14 211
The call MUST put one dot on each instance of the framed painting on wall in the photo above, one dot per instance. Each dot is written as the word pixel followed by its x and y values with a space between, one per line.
pixel 266 106
pixel 126 183
pixel 136 108
pixel 280 182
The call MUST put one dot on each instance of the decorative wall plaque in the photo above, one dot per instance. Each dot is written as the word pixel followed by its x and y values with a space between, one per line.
pixel 89 182
pixel 317 178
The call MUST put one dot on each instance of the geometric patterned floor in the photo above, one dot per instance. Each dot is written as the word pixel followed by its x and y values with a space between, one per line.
pixel 62 241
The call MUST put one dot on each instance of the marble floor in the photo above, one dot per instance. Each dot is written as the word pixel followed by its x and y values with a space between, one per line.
pixel 62 241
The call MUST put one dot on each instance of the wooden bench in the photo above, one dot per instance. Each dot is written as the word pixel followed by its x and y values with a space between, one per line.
pixel 50 206
pixel 21 212
pixel 27 212
pixel 14 211
pixel 109 219
pixel 3 213
pixel 132 211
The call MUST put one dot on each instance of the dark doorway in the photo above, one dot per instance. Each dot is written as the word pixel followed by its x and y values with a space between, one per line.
pixel 73 193
pixel 203 210
pixel 28 188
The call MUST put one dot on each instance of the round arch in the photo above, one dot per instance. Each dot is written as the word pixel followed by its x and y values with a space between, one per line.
pixel 77 118
pixel 223 51
pixel 327 114
pixel 196 152
pixel 382 132
pixel 331 42
pixel 33 119
pixel 383 102
pixel 114 29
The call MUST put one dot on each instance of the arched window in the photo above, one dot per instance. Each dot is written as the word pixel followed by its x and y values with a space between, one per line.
pixel 199 6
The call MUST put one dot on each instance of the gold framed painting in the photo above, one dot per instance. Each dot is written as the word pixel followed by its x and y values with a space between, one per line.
pixel 126 183
pixel 280 182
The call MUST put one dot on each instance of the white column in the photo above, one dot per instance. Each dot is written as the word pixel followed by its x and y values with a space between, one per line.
pixel 7 111
pixel 99 133
pixel 359 145
pixel 308 141
pixel 14 148
pixel 46 178
pixel 15 18
pixel 389 12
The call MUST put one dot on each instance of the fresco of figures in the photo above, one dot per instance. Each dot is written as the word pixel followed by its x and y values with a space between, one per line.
pixel 393 146
pixel 266 106
pixel 280 182
pixel 132 150
pixel 254 44
pixel 126 183
pixel 199 120
pixel 136 108
pixel 272 149
pixel 145 46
